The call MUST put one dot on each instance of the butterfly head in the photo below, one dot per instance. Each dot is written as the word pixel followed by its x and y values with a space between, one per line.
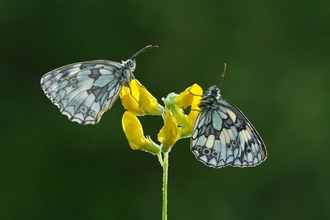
pixel 213 92
pixel 131 63
pixel 210 97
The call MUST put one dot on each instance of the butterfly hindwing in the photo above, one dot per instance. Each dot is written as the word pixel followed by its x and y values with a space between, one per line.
pixel 223 136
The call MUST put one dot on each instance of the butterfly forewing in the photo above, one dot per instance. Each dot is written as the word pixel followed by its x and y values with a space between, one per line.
pixel 84 91
pixel 223 136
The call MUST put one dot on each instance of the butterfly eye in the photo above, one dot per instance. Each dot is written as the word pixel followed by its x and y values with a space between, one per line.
pixel 132 64
pixel 214 91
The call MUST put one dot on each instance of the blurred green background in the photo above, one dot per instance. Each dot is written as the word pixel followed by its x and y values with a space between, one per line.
pixel 278 74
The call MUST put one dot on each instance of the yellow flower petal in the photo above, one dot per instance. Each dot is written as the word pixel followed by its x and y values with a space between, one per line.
pixel 140 102
pixel 134 134
pixel 177 111
pixel 169 133
pixel 179 115
pixel 189 96
pixel 187 130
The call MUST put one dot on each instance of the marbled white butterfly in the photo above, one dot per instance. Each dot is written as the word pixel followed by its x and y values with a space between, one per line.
pixel 84 91
pixel 223 136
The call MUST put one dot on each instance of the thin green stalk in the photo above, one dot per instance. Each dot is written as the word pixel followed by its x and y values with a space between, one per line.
pixel 165 179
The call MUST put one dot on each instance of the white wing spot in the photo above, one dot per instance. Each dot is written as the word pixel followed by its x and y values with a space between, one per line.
pixel 232 115
pixel 210 141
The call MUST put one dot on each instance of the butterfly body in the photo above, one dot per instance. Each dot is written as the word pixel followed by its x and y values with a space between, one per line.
pixel 84 91
pixel 223 136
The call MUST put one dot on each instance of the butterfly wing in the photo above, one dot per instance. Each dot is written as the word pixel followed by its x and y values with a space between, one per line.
pixel 223 136
pixel 84 91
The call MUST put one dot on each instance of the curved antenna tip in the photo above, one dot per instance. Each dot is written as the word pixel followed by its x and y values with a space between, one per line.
pixel 144 50
pixel 223 74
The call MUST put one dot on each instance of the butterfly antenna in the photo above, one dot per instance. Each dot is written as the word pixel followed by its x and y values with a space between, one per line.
pixel 223 74
pixel 143 50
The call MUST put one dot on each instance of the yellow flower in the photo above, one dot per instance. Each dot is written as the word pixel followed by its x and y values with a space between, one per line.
pixel 169 133
pixel 177 112
pixel 190 97
pixel 138 100
pixel 134 134
pixel 187 130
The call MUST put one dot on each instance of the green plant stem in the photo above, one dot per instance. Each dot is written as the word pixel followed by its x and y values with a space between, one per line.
pixel 165 179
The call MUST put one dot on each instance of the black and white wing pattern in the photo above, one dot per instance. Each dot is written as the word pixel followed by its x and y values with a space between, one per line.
pixel 223 136
pixel 84 91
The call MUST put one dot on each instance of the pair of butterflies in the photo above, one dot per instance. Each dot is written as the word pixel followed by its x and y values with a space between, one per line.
pixel 222 135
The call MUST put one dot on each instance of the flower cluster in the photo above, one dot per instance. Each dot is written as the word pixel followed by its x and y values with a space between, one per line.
pixel 177 124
